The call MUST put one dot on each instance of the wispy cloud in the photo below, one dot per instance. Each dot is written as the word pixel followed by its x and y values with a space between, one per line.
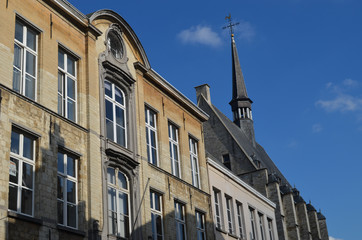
pixel 316 128
pixel 244 31
pixel 200 35
pixel 342 100
pixel 333 238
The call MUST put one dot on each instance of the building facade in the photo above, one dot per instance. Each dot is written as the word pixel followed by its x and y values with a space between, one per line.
pixel 94 143
pixel 233 144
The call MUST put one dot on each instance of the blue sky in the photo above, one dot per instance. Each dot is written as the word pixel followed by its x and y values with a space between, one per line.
pixel 302 63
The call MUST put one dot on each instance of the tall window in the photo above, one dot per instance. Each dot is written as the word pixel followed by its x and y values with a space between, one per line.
pixel 200 225
pixel 230 214
pixel 118 203
pixel 252 221
pixel 25 60
pixel 180 221
pixel 261 225
pixel 239 207
pixel 151 136
pixel 67 190
pixel 270 229
pixel 156 215
pixel 226 161
pixel 21 173
pixel 115 113
pixel 218 210
pixel 67 85
pixel 194 163
pixel 174 149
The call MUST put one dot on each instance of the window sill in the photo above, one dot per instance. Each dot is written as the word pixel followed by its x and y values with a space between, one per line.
pixel 71 230
pixel 25 218
pixel 233 236
pixel 221 230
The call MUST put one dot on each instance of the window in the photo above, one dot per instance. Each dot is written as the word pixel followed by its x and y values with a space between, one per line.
pixel 180 221
pixel 194 163
pixel 261 225
pixel 21 173
pixel 226 161
pixel 25 60
pixel 270 229
pixel 156 215
pixel 200 225
pixel 174 149
pixel 218 210
pixel 230 214
pixel 239 209
pixel 151 136
pixel 115 113
pixel 252 221
pixel 67 85
pixel 67 190
pixel 118 203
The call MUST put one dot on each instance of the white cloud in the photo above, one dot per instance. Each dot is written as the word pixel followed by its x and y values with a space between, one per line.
pixel 317 128
pixel 342 102
pixel 244 31
pixel 333 238
pixel 200 35
pixel 350 82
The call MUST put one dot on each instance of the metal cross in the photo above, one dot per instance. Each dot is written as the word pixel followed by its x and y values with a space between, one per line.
pixel 230 25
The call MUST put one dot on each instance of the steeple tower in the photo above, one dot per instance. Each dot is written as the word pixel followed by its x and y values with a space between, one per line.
pixel 240 102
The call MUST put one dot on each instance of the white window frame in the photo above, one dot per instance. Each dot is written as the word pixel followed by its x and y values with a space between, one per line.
pixel 64 85
pixel 270 229
pixel 230 214
pixel 66 178
pixel 114 103
pixel 180 221
pixel 24 49
pixel 149 128
pixel 261 226
pixel 174 142
pixel 21 160
pixel 218 209
pixel 240 214
pixel 253 233
pixel 154 211
pixel 118 190
pixel 195 170
pixel 200 224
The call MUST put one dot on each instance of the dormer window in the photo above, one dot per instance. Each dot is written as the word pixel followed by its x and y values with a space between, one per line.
pixel 114 44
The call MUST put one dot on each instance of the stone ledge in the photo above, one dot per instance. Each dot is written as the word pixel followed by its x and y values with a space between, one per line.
pixel 71 230
pixel 24 218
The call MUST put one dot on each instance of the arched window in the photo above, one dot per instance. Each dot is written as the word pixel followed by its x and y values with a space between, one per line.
pixel 115 113
pixel 118 203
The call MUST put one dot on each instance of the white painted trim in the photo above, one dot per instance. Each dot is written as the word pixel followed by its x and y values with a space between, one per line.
pixel 235 178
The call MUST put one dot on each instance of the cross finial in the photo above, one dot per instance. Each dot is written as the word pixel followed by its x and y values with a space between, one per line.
pixel 230 25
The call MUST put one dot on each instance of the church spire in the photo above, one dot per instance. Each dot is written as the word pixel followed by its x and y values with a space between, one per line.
pixel 240 102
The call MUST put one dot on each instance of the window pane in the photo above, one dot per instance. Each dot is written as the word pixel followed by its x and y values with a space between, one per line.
pixel 111 175
pixel 152 119
pixel 17 56
pixel 71 191
pixel 124 227
pixel 15 137
pixel 157 202
pixel 60 188
pixel 112 222
pixel 31 39
pixel 122 180
pixel 146 115
pixel 30 63
pixel 28 148
pixel 60 162
pixel 154 156
pixel 19 31
pixel 13 196
pixel 109 110
pixel 71 110
pixel 70 166
pixel 26 201
pixel 60 104
pixel 153 138
pixel 16 79
pixel 120 116
pixel 123 203
pixel 61 59
pixel 27 175
pixel 14 170
pixel 110 132
pixel 158 224
pixel 29 86
pixel 71 65
pixel 119 96
pixel 60 212
pixel 71 215
pixel 70 88
pixel 108 88
pixel 121 136
pixel 111 199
